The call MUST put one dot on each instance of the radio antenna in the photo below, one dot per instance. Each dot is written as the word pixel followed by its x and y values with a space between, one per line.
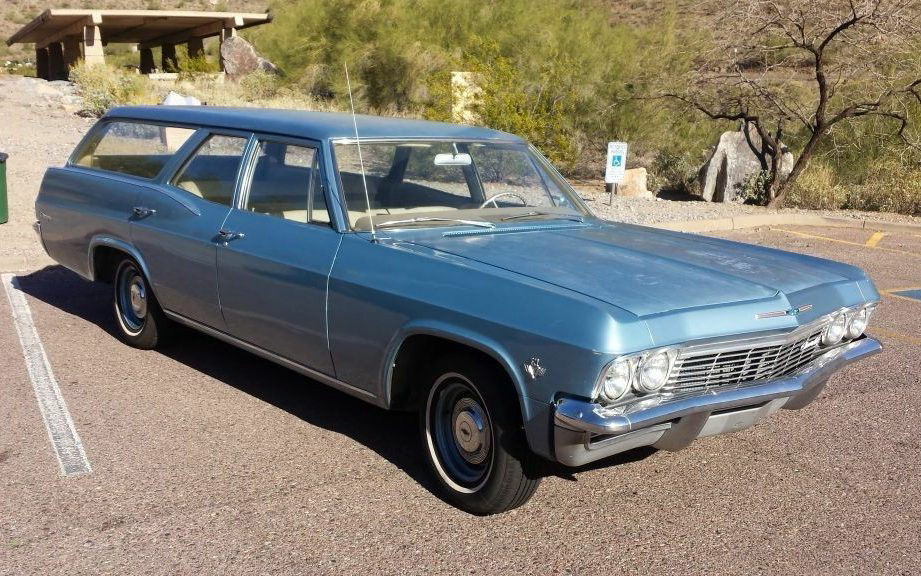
pixel 361 162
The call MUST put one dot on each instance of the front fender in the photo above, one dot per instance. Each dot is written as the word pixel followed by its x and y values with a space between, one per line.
pixel 461 335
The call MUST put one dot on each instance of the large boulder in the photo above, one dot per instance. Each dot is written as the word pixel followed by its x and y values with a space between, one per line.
pixel 240 58
pixel 634 184
pixel 731 164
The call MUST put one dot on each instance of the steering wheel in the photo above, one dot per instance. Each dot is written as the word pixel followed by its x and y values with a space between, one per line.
pixel 494 197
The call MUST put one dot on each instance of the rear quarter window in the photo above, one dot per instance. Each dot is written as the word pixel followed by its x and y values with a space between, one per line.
pixel 133 148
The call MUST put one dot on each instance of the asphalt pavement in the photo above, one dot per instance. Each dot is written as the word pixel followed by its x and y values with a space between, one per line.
pixel 206 460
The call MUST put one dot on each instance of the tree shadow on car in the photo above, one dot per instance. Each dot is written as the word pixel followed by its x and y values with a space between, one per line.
pixel 392 435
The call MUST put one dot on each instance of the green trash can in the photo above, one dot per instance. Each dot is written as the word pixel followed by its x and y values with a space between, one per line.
pixel 4 205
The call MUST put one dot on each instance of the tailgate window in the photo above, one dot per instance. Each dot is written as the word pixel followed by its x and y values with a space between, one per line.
pixel 132 148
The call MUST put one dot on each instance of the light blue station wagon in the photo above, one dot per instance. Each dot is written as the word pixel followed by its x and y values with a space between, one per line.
pixel 448 270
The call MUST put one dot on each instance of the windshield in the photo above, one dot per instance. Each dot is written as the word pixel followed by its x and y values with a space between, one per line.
pixel 438 183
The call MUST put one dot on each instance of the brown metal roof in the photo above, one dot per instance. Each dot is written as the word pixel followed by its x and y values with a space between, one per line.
pixel 146 27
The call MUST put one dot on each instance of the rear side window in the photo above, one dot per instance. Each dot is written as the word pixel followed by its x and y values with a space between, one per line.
pixel 211 172
pixel 132 148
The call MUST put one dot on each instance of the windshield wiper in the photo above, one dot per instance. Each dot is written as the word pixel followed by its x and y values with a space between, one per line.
pixel 533 213
pixel 420 219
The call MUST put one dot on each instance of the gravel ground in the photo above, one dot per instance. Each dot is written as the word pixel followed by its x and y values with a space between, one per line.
pixel 38 129
pixel 657 210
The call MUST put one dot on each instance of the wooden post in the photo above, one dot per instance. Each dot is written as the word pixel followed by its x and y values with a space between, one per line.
pixel 56 68
pixel 41 63
pixel 72 51
pixel 147 61
pixel 196 47
pixel 168 60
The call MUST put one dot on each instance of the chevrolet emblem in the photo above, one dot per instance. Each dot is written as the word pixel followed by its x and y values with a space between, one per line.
pixel 779 313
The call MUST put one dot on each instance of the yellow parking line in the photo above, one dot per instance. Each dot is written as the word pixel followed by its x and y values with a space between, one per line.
pixel 875 238
pixel 817 237
pixel 890 292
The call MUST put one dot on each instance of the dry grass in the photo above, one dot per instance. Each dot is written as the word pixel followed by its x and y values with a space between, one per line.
pixel 889 187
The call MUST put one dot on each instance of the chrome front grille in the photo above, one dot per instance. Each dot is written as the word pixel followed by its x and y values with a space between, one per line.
pixel 705 368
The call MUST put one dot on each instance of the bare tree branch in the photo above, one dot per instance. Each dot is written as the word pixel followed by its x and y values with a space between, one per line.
pixel 813 62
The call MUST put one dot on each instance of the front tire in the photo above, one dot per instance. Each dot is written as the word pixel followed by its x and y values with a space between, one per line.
pixel 473 440
pixel 138 317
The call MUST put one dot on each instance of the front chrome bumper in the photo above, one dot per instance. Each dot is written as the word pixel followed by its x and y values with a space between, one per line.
pixel 587 431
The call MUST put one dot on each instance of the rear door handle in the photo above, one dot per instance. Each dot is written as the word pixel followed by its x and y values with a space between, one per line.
pixel 143 212
pixel 228 235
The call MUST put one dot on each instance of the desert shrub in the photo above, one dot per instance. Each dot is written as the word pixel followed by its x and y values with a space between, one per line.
pixel 195 66
pixel 673 171
pixel 258 86
pixel 817 188
pixel 890 186
pixel 542 117
pixel 563 74
pixel 103 87
pixel 752 191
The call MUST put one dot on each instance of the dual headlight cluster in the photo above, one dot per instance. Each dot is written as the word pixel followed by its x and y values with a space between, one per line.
pixel 847 325
pixel 644 373
pixel 648 371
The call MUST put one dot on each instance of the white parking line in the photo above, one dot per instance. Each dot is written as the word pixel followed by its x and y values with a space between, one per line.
pixel 61 431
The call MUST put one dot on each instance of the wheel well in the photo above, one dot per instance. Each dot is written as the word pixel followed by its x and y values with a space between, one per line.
pixel 105 258
pixel 420 349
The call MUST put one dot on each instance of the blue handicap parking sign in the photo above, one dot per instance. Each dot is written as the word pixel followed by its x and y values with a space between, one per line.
pixel 617 160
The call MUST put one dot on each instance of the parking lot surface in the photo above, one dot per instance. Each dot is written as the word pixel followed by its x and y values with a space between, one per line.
pixel 206 459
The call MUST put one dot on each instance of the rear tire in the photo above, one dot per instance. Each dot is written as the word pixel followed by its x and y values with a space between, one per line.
pixel 473 439
pixel 139 320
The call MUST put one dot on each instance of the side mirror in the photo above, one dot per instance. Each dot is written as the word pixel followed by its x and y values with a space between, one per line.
pixel 453 160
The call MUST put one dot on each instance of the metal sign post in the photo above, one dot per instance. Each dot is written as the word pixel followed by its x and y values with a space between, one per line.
pixel 615 166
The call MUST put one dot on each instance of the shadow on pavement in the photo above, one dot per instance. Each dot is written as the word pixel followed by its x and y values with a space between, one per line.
pixel 393 435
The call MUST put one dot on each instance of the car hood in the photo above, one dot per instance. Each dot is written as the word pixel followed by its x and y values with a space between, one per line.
pixel 642 270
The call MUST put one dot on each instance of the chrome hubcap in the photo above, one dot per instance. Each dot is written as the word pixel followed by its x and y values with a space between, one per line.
pixel 130 298
pixel 460 433
pixel 138 298
pixel 469 431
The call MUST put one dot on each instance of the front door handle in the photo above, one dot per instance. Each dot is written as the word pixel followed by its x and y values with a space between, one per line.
pixel 228 235
pixel 143 211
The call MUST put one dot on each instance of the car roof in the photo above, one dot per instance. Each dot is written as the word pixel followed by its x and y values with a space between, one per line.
pixel 304 124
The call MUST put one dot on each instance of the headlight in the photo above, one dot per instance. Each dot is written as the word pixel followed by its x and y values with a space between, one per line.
pixel 617 378
pixel 835 331
pixel 653 372
pixel 857 323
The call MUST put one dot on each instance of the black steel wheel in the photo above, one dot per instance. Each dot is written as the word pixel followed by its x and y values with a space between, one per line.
pixel 473 439
pixel 138 316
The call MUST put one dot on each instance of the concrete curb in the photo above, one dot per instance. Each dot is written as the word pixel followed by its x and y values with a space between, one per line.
pixel 792 219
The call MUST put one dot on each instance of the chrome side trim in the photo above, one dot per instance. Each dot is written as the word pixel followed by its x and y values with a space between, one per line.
pixel 280 360
pixel 594 418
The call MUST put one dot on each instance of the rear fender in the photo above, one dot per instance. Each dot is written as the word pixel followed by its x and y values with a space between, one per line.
pixel 118 244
